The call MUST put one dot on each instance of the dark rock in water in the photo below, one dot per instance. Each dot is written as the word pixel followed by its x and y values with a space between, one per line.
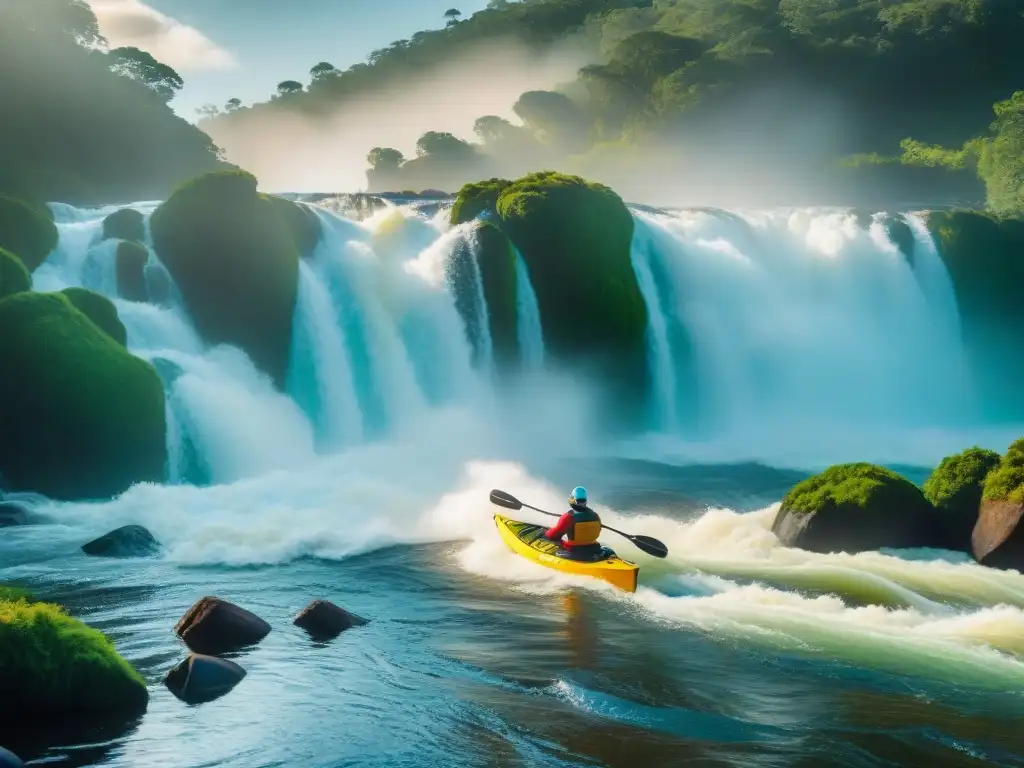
pixel 125 224
pixel 9 760
pixel 27 231
pixel 12 514
pixel 213 626
pixel 998 538
pixel 324 620
pixel 129 541
pixel 200 678
pixel 131 271
pixel 955 488
pixel 855 508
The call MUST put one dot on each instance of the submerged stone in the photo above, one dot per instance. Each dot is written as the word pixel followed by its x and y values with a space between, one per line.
pixel 199 679
pixel 128 541
pixel 324 620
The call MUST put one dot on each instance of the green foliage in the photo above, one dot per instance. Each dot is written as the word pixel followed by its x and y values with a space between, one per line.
pixel 955 488
pixel 14 277
pixel 287 87
pixel 1006 482
pixel 235 260
pixel 80 417
pixel 125 224
pixel 10 594
pixel 444 144
pixel 27 231
pixel 75 131
pixel 853 486
pixel 474 199
pixel 141 66
pixel 100 310
pixel 52 664
pixel 384 157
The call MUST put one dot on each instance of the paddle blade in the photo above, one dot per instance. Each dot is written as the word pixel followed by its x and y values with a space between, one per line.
pixel 505 500
pixel 650 545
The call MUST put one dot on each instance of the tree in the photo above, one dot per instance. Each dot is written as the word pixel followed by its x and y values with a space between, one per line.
pixel 208 111
pixel 141 66
pixel 442 144
pixel 556 117
pixel 323 70
pixel 384 158
pixel 286 87
pixel 452 14
pixel 493 129
pixel 232 105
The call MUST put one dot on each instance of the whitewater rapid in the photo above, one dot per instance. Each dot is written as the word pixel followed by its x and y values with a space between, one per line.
pixel 793 338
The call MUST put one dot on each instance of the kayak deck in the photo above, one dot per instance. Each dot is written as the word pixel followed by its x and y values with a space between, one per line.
pixel 528 540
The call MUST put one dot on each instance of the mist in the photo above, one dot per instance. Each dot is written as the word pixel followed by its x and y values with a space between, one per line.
pixel 293 152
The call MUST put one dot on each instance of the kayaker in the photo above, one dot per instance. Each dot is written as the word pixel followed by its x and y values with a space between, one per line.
pixel 581 527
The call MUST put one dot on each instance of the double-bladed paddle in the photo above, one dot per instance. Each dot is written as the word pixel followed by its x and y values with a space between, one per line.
pixel 645 543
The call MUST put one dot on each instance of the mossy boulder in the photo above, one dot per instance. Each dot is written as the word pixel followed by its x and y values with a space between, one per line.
pixel 100 310
pixel 54 665
pixel 984 256
pixel 27 231
pixel 125 224
pixel 234 258
pixel 14 277
pixel 302 221
pixel 954 489
pixel 130 268
pixel 575 238
pixel 998 536
pixel 474 199
pixel 855 508
pixel 80 417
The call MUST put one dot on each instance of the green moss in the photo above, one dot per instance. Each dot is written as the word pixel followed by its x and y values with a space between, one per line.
pixel 851 486
pixel 234 259
pixel 497 262
pixel 52 664
pixel 955 488
pixel 100 310
pixel 1006 481
pixel 80 417
pixel 575 238
pixel 9 594
pixel 130 268
pixel 957 481
pixel 125 224
pixel 14 278
pixel 27 231
pixel 474 199
pixel 302 221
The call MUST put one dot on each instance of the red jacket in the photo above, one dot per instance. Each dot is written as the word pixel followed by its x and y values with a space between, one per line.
pixel 564 527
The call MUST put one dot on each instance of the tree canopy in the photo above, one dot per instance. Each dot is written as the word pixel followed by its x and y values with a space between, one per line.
pixel 84 125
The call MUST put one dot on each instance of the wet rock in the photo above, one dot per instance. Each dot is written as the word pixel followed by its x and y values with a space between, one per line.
pixel 130 268
pixel 855 508
pixel 125 224
pixel 323 620
pixel 200 678
pixel 9 759
pixel 12 514
pixel 213 626
pixel 128 541
pixel 998 537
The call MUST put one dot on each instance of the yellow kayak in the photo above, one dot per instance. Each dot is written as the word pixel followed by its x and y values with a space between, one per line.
pixel 528 540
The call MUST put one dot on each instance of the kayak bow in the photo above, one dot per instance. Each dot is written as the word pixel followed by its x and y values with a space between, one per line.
pixel 527 540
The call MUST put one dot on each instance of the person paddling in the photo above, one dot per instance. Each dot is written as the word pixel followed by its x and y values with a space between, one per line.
pixel 581 527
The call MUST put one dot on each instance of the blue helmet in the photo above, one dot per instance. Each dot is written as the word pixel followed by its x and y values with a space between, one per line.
pixel 578 496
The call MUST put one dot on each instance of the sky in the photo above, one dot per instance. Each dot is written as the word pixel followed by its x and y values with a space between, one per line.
pixel 242 48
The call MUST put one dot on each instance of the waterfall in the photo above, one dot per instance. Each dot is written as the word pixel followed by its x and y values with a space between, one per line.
pixel 800 320
pixel 762 327
pixel 529 329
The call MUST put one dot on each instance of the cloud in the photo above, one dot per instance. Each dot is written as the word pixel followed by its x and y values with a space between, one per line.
pixel 133 23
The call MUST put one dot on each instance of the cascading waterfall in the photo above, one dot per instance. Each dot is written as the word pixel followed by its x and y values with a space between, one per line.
pixel 529 328
pixel 761 324
pixel 799 320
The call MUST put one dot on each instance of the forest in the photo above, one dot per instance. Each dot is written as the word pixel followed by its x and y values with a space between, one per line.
pixel 84 123
pixel 810 101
